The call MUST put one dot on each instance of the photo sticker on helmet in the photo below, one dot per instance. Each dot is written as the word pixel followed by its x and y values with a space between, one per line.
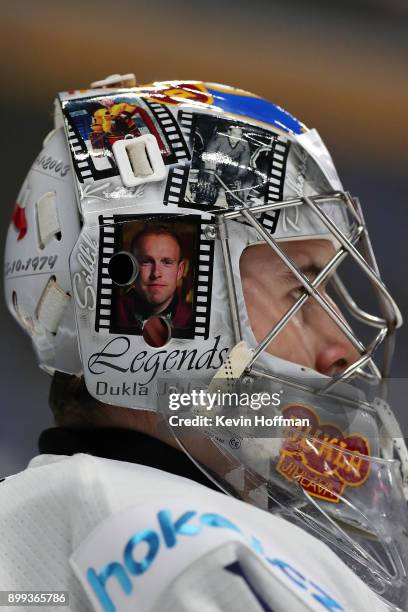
pixel 95 124
pixel 232 164
pixel 157 267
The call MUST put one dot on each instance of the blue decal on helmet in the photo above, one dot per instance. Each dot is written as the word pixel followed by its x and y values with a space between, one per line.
pixel 252 107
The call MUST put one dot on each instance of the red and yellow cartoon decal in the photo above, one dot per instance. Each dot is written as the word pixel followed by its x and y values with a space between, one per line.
pixel 116 120
pixel 176 92
pixel 321 458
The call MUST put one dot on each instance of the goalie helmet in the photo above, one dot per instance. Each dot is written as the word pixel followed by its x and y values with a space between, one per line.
pixel 123 265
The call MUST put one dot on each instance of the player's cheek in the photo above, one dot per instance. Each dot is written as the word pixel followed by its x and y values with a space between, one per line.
pixel 144 275
pixel 300 342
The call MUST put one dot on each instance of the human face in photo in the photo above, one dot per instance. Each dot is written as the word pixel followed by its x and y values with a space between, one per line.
pixel 234 135
pixel 160 267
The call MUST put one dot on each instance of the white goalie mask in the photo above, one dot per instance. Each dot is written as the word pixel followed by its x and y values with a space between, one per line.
pixel 124 264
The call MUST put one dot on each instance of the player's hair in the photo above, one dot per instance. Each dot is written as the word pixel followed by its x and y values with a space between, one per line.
pixel 74 407
pixel 71 403
pixel 156 230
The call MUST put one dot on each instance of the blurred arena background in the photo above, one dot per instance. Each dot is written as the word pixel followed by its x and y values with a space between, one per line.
pixel 339 66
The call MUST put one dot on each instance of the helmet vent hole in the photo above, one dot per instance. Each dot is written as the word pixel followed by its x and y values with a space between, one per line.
pixel 123 268
pixel 156 331
pixel 14 301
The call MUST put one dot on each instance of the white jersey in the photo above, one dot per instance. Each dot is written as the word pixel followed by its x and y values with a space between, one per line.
pixel 120 536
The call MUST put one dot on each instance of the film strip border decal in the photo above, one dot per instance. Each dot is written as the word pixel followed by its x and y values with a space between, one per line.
pixel 203 281
pixel 186 120
pixel 204 285
pixel 276 181
pixel 176 185
pixel 104 293
pixel 79 154
pixel 171 129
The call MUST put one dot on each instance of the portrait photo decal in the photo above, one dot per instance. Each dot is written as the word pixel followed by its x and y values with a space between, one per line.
pixel 231 163
pixel 153 273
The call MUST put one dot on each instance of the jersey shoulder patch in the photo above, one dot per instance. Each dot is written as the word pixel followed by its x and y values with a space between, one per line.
pixel 159 551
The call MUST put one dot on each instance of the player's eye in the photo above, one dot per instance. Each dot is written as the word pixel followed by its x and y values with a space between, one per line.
pixel 297 292
pixel 168 262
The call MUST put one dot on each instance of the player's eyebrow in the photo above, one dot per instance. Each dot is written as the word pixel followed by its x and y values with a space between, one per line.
pixel 311 270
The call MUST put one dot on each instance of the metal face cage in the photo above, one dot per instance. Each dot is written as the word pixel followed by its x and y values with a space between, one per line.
pixel 386 325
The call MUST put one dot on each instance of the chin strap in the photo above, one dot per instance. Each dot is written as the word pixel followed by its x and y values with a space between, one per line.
pixel 393 441
pixel 237 361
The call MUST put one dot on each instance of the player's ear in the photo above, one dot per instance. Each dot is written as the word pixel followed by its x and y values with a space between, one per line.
pixel 181 267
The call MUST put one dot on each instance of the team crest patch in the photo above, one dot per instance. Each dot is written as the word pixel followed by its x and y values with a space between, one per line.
pixel 323 459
